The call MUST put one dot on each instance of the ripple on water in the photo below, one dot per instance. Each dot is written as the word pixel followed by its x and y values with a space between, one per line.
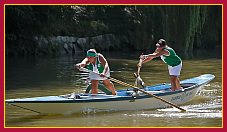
pixel 192 111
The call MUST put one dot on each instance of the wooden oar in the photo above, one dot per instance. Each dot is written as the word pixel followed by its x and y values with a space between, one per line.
pixel 137 75
pixel 129 85
pixel 139 66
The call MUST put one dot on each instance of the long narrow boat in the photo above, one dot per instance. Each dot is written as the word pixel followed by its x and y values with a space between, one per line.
pixel 126 99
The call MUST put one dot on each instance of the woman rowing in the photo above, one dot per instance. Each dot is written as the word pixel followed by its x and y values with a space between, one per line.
pixel 173 61
pixel 97 63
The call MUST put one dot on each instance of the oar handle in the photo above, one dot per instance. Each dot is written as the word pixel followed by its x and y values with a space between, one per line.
pixel 139 66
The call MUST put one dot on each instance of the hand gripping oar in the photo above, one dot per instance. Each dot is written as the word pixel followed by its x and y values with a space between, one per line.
pixel 129 85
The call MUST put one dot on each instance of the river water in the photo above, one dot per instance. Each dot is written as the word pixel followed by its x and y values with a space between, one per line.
pixel 44 76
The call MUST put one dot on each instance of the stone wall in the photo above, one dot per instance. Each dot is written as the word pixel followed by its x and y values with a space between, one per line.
pixel 70 45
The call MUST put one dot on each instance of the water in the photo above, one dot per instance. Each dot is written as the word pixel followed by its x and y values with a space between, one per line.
pixel 29 77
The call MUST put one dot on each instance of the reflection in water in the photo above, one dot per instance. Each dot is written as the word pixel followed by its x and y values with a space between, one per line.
pixel 29 77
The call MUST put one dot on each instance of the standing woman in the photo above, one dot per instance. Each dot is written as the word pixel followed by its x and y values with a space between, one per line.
pixel 96 62
pixel 168 56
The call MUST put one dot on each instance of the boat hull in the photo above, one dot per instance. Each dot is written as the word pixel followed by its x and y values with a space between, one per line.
pixel 125 100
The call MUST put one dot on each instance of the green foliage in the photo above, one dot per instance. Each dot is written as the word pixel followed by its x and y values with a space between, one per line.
pixel 138 27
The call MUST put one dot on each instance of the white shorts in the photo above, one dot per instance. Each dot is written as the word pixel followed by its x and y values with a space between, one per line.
pixel 94 76
pixel 175 71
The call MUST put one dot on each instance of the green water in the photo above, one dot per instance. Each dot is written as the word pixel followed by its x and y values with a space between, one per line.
pixel 29 77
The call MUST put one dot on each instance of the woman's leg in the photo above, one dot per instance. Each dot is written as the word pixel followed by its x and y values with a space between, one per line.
pixel 178 83
pixel 109 85
pixel 94 85
pixel 174 72
pixel 173 82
